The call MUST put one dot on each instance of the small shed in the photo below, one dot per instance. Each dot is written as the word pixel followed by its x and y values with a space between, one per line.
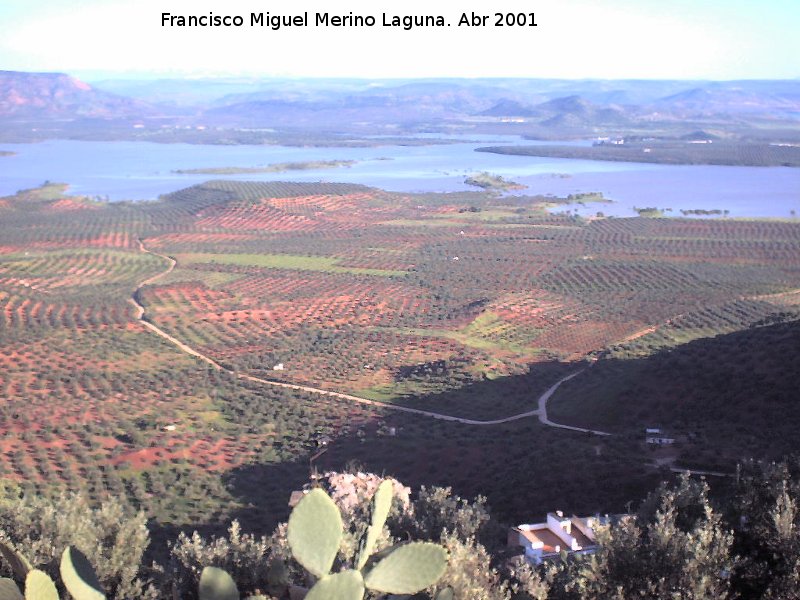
pixel 654 435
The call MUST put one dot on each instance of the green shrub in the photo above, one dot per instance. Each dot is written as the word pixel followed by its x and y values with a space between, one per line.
pixel 112 537
pixel 243 556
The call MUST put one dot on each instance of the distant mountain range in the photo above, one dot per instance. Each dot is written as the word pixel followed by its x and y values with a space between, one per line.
pixel 55 96
pixel 568 112
pixel 511 108
pixel 340 105
pixel 738 99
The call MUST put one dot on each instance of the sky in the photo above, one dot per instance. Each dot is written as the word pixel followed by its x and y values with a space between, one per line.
pixel 574 39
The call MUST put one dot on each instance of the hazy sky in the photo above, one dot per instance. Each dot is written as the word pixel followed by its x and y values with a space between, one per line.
pixel 708 39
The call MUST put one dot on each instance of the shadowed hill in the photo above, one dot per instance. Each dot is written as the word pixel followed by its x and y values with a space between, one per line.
pixel 735 393
pixel 510 108
pixel 573 111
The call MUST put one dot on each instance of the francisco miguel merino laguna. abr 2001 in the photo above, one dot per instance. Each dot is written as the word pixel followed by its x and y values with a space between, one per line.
pixel 276 22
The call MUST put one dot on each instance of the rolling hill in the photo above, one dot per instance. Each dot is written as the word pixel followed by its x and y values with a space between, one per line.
pixel 724 397
pixel 59 96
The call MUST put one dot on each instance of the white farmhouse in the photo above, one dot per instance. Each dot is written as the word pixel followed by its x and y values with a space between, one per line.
pixel 654 435
pixel 541 541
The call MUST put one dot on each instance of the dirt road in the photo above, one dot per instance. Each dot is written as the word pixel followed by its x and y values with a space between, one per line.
pixel 541 411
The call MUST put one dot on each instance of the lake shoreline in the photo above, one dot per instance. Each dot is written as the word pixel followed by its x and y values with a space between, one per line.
pixel 137 171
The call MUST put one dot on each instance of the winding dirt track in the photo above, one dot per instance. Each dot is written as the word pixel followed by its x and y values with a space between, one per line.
pixel 540 412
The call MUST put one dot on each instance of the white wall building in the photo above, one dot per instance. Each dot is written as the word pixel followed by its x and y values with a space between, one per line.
pixel 655 436
pixel 541 541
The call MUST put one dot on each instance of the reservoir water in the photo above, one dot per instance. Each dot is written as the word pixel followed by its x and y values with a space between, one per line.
pixel 144 171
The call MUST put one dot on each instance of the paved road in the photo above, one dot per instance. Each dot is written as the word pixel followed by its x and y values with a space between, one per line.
pixel 541 411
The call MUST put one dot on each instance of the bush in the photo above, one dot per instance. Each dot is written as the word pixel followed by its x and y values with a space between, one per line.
pixel 243 556
pixel 112 537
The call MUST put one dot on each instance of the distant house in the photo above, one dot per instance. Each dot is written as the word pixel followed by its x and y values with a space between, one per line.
pixel 542 541
pixel 278 367
pixel 607 141
pixel 654 435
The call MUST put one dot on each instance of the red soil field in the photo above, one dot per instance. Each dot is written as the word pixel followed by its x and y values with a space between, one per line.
pixel 72 204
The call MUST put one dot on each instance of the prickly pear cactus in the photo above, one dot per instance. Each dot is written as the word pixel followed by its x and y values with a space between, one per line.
pixel 379 511
pixel 216 584
pixel 18 563
pixel 315 533
pixel 79 577
pixel 408 569
pixel 446 594
pixel 9 590
pixel 39 586
pixel 347 585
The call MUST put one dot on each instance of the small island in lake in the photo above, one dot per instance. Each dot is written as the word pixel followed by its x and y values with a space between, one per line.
pixel 490 181
pixel 308 165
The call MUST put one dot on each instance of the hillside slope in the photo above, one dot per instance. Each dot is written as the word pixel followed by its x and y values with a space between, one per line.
pixel 736 393
pixel 56 95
